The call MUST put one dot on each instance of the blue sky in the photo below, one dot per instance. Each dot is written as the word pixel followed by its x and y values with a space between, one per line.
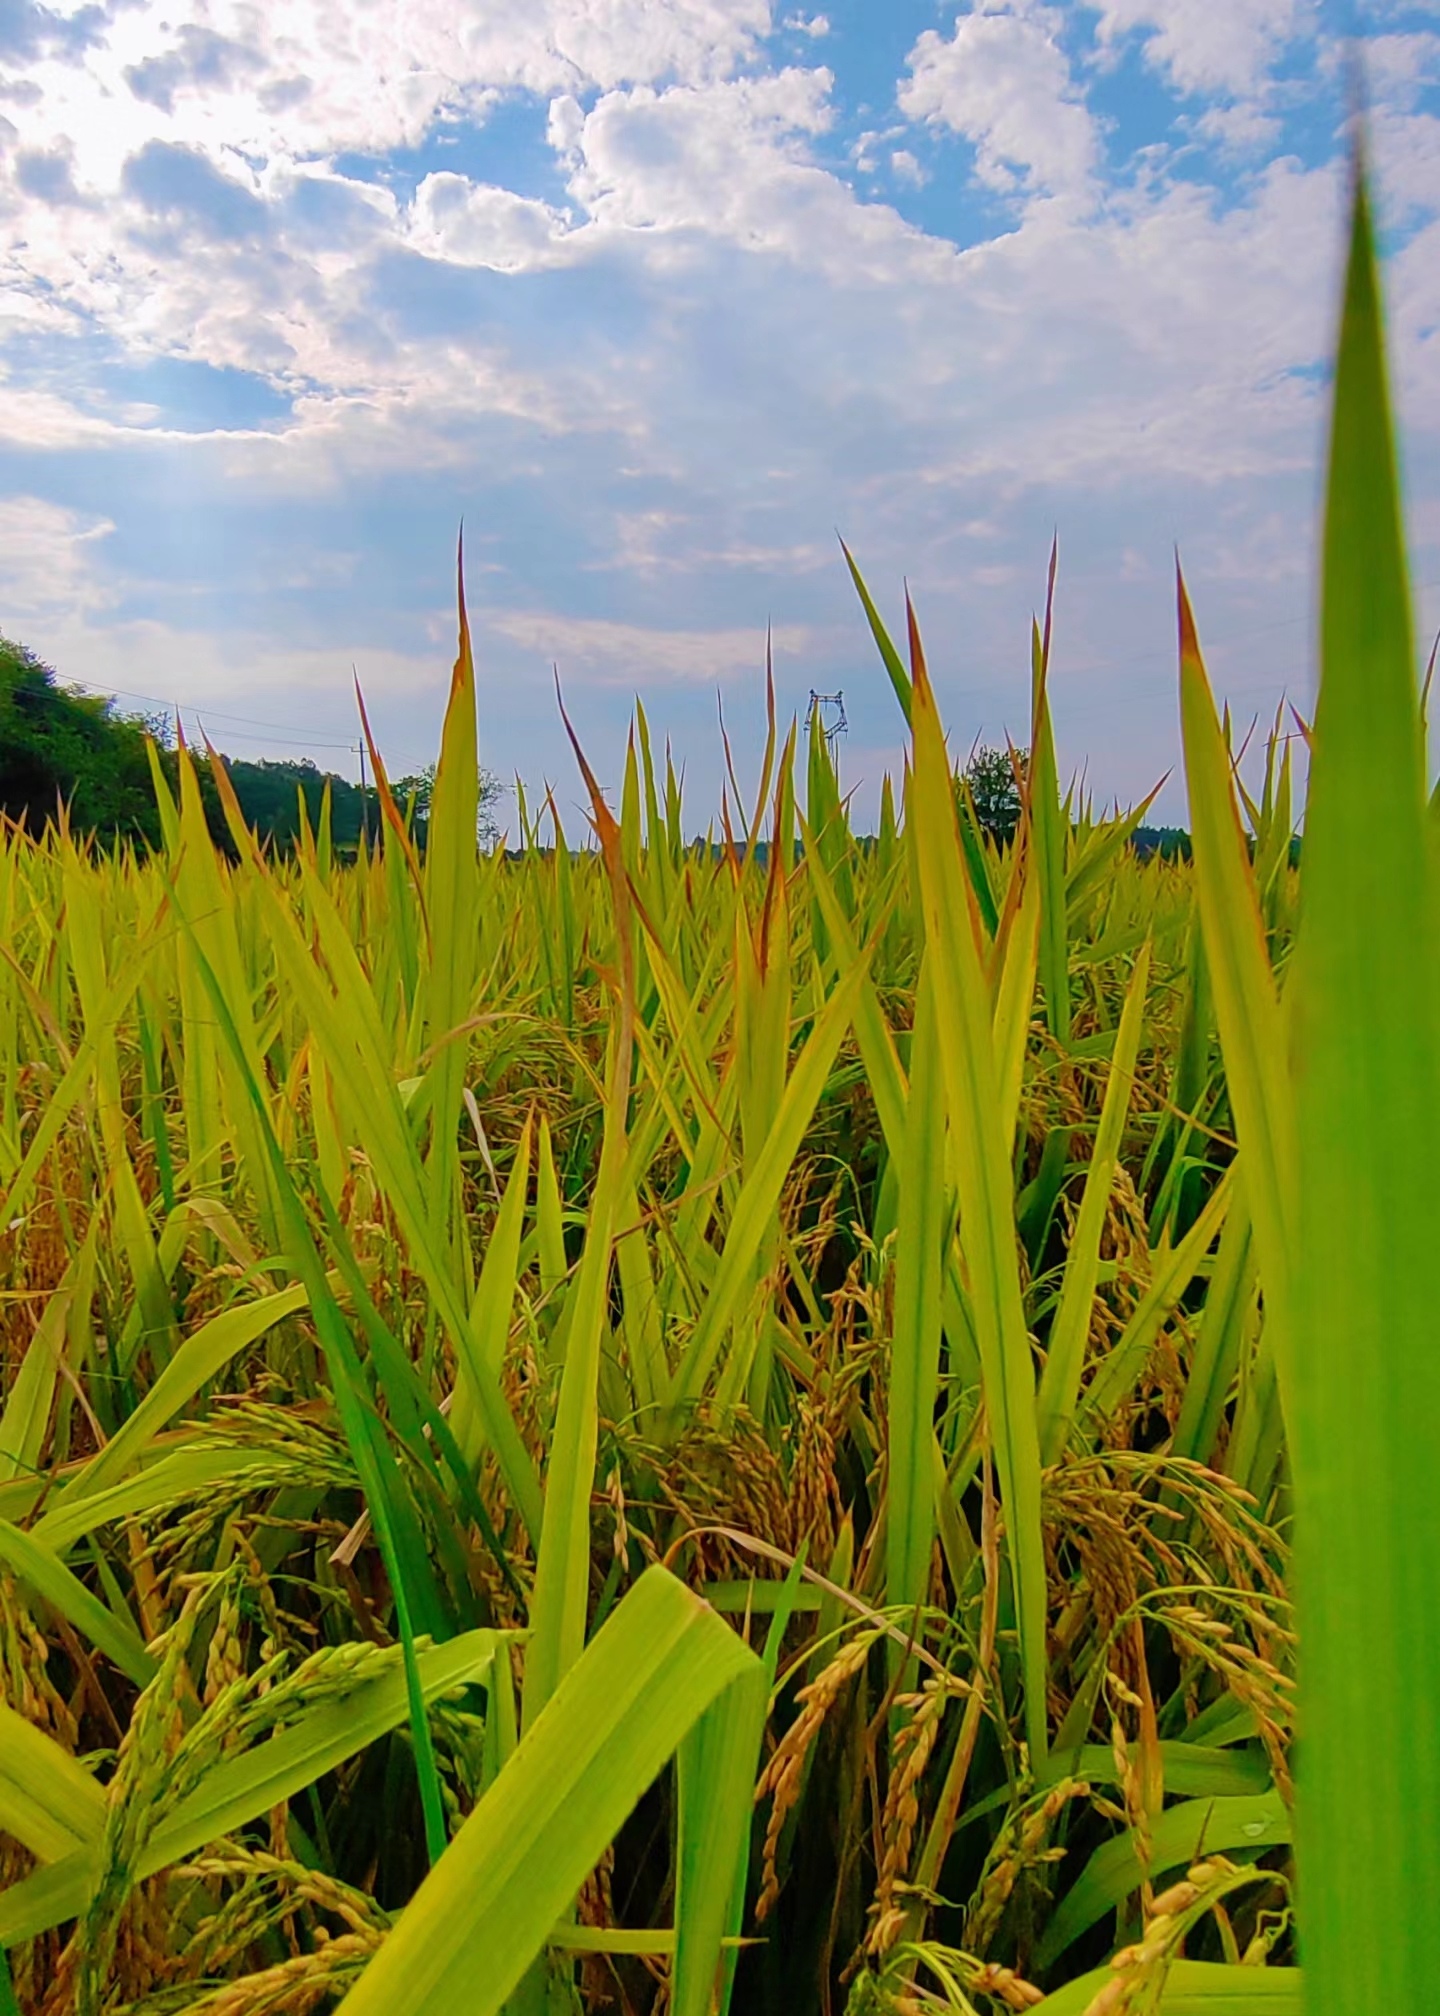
pixel 659 295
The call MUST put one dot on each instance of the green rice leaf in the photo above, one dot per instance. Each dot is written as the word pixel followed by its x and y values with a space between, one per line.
pixel 1177 1837
pixel 620 1712
pixel 1065 1360
pixel 1196 1988
pixel 985 1189
pixel 924 1213
pixel 201 1357
pixel 1366 1372
pixel 48 1801
pixel 28 1556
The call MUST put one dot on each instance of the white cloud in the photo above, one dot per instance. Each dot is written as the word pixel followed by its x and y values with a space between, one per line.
pixel 1406 147
pixel 46 565
pixel 478 224
pixel 1241 129
pixel 321 76
pixel 599 651
pixel 727 159
pixel 1003 81
pixel 1208 45
pixel 239 685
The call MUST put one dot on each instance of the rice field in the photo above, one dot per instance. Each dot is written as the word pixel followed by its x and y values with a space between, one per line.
pixel 644 1426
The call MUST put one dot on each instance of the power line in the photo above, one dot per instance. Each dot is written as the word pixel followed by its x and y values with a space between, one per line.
pixel 282 733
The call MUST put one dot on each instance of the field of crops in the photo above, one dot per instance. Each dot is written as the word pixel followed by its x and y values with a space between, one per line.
pixel 965 1268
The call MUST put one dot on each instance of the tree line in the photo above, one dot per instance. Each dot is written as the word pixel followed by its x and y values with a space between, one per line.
pixel 61 747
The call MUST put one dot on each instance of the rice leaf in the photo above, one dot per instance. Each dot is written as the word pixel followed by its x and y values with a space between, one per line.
pixel 28 1556
pixel 1065 1359
pixel 1177 1837
pixel 1366 1375
pixel 48 1802
pixel 620 1712
pixel 1195 1988
pixel 982 1163
pixel 915 1340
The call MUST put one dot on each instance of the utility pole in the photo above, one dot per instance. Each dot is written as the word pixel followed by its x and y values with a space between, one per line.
pixel 359 750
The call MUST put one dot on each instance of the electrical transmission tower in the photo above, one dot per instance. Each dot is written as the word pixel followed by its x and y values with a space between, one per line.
pixel 831 709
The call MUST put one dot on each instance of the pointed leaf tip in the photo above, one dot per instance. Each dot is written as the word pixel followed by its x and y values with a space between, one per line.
pixel 1050 596
pixel 919 671
pixel 1189 635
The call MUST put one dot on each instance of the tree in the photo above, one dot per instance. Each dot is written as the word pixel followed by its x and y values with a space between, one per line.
pixel 990 773
pixel 269 793
pixel 419 786
pixel 64 747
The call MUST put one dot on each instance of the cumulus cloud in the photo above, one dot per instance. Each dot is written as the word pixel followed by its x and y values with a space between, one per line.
pixel 1208 45
pixel 1241 129
pixel 1004 82
pixel 712 158
pixel 198 60
pixel 47 560
pixel 479 224
pixel 321 76
pixel 182 185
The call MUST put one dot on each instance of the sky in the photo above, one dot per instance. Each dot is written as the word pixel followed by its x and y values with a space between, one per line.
pixel 661 298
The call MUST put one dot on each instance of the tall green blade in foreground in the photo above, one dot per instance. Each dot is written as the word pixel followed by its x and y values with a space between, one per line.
pixel 1367 1367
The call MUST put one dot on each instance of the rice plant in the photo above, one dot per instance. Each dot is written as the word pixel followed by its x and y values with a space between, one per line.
pixel 699 1426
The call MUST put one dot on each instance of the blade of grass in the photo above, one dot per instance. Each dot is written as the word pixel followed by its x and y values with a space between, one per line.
pixel 41 1568
pixel 558 1611
pixel 716 1771
pixel 1065 1360
pixel 986 1193
pixel 1172 1269
pixel 1047 819
pixel 915 1341
pixel 1366 1374
pixel 1194 1988
pixel 760 1194
pixel 199 1359
pixel 48 1801
pixel 621 1711
pixel 1246 1004
pixel 407 1563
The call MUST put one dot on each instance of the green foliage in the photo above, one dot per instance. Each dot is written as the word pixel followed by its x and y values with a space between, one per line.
pixel 270 791
pixel 73 749
pixel 418 789
pixel 268 1128
pixel 995 788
